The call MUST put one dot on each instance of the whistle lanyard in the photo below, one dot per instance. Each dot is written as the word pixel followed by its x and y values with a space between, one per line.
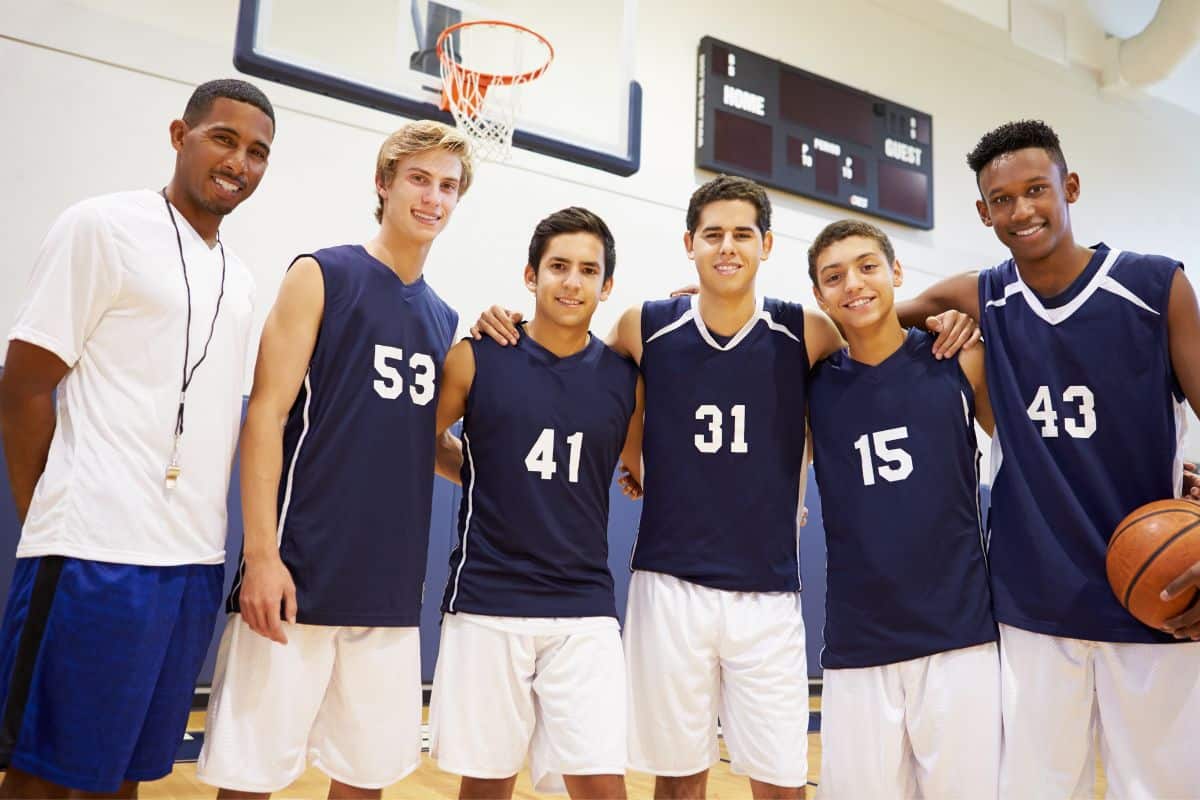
pixel 173 468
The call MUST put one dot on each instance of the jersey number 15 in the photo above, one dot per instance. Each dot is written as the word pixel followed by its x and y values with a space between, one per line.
pixel 899 462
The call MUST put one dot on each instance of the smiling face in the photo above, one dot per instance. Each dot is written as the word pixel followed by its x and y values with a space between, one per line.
pixel 569 280
pixel 1025 195
pixel 727 247
pixel 855 283
pixel 221 157
pixel 422 195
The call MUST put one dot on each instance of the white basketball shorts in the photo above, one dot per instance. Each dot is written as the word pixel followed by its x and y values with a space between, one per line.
pixel 1060 696
pixel 348 700
pixel 928 727
pixel 550 689
pixel 694 654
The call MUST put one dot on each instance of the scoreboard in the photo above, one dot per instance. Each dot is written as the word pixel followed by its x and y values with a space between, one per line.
pixel 796 131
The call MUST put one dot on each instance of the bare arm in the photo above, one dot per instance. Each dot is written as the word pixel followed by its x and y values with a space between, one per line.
pixel 949 308
pixel 458 373
pixel 631 453
pixel 27 416
pixel 626 335
pixel 821 337
pixel 449 458
pixel 959 293
pixel 972 364
pixel 1183 337
pixel 284 353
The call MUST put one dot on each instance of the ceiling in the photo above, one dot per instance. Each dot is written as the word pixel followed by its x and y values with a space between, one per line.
pixel 1085 30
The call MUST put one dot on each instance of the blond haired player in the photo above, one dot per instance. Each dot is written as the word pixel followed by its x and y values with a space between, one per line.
pixel 320 660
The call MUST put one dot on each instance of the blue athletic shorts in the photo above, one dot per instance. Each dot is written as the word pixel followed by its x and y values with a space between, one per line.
pixel 98 665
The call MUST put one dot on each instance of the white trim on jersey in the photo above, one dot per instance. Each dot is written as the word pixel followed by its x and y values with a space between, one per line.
pixel 693 315
pixel 466 520
pixel 997 459
pixel 983 543
pixel 287 494
pixel 984 540
pixel 1054 316
pixel 1181 418
pixel 1110 284
pixel 742 333
pixel 679 323
pixel 1009 291
pixel 775 326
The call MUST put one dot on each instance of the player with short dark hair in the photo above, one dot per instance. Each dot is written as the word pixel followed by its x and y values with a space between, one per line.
pixel 140 317
pixel 713 625
pixel 1091 353
pixel 843 229
pixel 730 187
pixel 530 661
pixel 911 670
pixel 572 220
pixel 320 659
pixel 1015 136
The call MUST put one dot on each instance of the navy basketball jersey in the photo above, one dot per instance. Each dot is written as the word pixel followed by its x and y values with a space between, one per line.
pixel 723 447
pixel 356 491
pixel 897 466
pixel 541 440
pixel 1089 421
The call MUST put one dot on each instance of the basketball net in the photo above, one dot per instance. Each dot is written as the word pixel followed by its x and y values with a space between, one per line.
pixel 484 66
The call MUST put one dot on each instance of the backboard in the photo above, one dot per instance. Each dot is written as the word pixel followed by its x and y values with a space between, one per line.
pixel 587 108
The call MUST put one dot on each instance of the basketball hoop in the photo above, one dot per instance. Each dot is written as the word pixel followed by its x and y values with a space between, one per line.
pixel 483 95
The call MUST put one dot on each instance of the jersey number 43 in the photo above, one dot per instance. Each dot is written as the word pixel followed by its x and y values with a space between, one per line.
pixel 1082 426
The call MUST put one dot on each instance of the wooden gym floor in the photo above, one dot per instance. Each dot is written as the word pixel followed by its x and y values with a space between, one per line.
pixel 429 783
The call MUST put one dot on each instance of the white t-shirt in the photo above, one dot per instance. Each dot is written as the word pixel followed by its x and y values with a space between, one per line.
pixel 107 296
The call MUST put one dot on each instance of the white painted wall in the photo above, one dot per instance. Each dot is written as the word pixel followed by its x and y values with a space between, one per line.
pixel 89 87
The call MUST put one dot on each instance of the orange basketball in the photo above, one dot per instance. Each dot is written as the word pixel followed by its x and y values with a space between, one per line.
pixel 1148 550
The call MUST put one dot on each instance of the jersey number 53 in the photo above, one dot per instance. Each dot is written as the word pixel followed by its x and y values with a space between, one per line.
pixel 390 383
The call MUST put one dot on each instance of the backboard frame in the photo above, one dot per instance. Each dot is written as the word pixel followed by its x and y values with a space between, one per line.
pixel 248 60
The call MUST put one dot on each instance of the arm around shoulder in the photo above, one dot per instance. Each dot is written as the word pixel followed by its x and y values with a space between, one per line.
pixel 626 335
pixel 821 337
pixel 957 293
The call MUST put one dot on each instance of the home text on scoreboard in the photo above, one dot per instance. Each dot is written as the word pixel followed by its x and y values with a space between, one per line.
pixel 796 131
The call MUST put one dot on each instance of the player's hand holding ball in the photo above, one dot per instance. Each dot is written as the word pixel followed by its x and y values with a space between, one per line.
pixel 1154 566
